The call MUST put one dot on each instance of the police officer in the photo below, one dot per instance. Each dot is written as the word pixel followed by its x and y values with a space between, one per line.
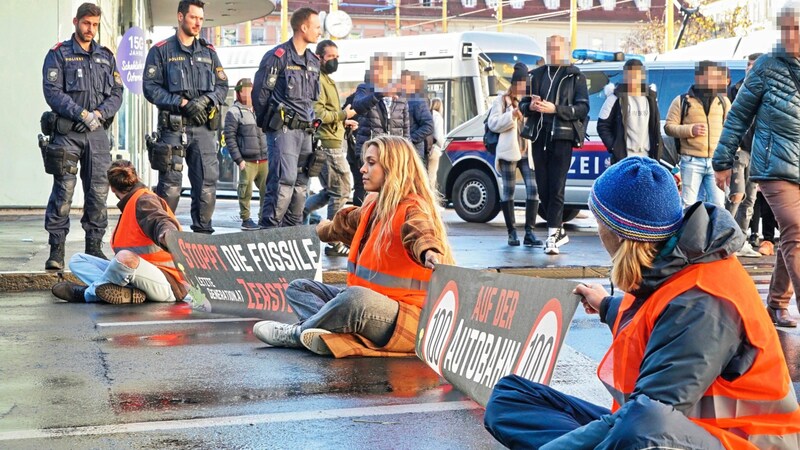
pixel 285 88
pixel 84 90
pixel 185 80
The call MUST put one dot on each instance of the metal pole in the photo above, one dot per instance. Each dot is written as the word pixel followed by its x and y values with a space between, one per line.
pixel 397 17
pixel 669 25
pixel 573 25
pixel 284 20
pixel 500 16
pixel 217 36
pixel 334 5
pixel 248 31
pixel 444 16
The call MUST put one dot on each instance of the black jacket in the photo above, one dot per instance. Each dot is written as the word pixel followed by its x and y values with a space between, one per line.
pixel 571 98
pixel 374 120
pixel 611 128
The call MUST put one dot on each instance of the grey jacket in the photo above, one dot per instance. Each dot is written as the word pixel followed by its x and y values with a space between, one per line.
pixel 769 96
pixel 243 137
pixel 680 360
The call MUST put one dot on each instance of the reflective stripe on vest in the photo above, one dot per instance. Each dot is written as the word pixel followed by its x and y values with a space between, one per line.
pixel 759 406
pixel 384 279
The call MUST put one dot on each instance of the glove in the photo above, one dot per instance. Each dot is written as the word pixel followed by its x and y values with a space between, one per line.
pixel 80 127
pixel 196 110
pixel 91 121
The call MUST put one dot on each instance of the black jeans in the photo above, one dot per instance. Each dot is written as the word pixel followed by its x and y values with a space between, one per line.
pixel 551 160
pixel 763 213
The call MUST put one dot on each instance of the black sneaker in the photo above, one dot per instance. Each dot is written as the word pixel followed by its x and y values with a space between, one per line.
pixel 337 249
pixel 561 237
pixel 249 225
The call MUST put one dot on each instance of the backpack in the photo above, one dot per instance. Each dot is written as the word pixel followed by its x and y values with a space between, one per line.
pixel 490 138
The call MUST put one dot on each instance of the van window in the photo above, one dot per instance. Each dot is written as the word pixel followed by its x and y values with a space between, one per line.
pixel 463 105
pixel 504 62
pixel 595 82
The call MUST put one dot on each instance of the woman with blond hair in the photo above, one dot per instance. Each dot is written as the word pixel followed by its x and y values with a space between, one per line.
pixel 694 363
pixel 397 237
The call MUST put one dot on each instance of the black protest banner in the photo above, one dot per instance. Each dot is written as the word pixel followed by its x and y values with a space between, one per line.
pixel 246 274
pixel 476 327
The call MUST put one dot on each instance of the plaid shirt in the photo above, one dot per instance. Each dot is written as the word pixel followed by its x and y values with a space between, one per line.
pixel 401 344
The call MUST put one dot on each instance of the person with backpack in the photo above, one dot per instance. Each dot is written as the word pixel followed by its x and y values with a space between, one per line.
pixel 629 122
pixel 511 153
pixel 695 121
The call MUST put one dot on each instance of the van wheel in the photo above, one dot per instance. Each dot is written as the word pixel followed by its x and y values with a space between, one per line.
pixel 475 196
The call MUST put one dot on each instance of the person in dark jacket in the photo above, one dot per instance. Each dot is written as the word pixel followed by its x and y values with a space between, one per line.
pixel 556 112
pixel 353 160
pixel 769 96
pixel 629 122
pixel 679 337
pixel 247 145
pixel 421 127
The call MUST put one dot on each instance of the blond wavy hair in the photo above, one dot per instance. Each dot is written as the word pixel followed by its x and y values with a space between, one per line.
pixel 629 260
pixel 404 176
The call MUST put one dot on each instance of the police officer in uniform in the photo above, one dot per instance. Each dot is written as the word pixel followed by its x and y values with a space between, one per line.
pixel 284 91
pixel 84 90
pixel 184 78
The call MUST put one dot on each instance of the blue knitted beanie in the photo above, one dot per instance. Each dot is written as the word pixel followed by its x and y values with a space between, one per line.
pixel 638 199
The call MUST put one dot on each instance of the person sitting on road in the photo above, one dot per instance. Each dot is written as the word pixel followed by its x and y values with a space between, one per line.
pixel 397 237
pixel 694 363
pixel 142 268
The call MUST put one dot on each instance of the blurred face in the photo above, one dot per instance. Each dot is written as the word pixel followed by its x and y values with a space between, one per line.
pixel 790 34
pixel 518 89
pixel 192 22
pixel 311 30
pixel 381 72
pixel 86 28
pixel 557 52
pixel 244 95
pixel 372 173
pixel 407 84
pixel 633 76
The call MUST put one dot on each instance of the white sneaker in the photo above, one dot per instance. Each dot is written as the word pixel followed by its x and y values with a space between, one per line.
pixel 278 334
pixel 748 252
pixel 312 340
pixel 550 247
pixel 561 237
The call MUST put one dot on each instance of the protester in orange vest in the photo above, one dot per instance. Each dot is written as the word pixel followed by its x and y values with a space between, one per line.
pixel 142 268
pixel 695 362
pixel 397 237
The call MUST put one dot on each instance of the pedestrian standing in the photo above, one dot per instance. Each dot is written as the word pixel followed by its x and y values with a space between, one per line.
pixel 556 109
pixel 247 145
pixel 284 91
pixel 506 119
pixel 629 122
pixel 695 121
pixel 693 362
pixel 84 91
pixel 438 142
pixel 770 95
pixel 397 238
pixel 421 121
pixel 184 78
pixel 335 174
pixel 353 160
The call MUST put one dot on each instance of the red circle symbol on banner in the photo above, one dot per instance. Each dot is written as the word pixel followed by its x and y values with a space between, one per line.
pixel 541 348
pixel 440 327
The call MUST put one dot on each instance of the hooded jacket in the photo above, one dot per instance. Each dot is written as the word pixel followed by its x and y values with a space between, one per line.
pixel 769 96
pixel 509 144
pixel 571 98
pixel 612 129
pixel 373 118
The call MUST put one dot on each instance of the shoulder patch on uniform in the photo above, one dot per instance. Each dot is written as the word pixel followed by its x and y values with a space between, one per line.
pixel 55 47
pixel 52 74
pixel 221 73
pixel 161 44
pixel 150 72
pixel 280 52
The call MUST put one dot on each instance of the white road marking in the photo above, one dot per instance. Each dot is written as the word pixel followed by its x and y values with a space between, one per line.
pixel 168 425
pixel 175 322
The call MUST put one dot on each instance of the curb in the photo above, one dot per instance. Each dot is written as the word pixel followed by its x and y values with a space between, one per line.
pixel 43 281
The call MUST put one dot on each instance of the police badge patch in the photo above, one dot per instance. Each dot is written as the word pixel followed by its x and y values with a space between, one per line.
pixel 221 74
pixel 52 75
pixel 117 78
pixel 151 71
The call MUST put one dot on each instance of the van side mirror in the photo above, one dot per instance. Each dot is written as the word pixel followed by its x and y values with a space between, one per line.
pixel 491 83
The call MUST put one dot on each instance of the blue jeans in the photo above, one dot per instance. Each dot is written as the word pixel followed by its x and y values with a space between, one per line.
pixel 697 172
pixel 354 309
pixel 96 271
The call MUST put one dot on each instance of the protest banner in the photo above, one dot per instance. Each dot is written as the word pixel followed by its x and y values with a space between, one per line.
pixel 246 274
pixel 476 327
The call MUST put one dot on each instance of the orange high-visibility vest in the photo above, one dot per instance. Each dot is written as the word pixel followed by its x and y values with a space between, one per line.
pixel 129 236
pixel 391 271
pixel 758 409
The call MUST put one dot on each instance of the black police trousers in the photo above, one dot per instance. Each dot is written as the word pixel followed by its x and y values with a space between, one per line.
pixel 286 185
pixel 94 152
pixel 203 166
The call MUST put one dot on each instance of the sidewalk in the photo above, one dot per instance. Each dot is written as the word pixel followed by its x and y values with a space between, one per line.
pixel 24 248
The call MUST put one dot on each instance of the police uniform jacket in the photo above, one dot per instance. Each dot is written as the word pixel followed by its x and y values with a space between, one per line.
pixel 296 82
pixel 174 72
pixel 75 80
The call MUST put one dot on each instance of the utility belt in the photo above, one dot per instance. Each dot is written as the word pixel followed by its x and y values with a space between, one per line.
pixel 164 157
pixel 281 116
pixel 176 122
pixel 52 123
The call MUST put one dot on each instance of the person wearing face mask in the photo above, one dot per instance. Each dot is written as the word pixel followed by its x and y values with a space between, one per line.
pixel 397 237
pixel 142 267
pixel 335 174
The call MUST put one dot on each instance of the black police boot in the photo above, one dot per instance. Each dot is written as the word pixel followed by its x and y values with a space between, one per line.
pixel 56 259
pixel 94 247
pixel 69 291
pixel 508 216
pixel 531 210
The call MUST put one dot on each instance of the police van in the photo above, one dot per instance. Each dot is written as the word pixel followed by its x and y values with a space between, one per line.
pixel 469 180
pixel 458 68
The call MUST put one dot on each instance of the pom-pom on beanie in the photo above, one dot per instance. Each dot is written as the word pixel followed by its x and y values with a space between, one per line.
pixel 638 200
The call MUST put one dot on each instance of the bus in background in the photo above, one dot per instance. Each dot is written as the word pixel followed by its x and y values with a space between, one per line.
pixel 459 68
